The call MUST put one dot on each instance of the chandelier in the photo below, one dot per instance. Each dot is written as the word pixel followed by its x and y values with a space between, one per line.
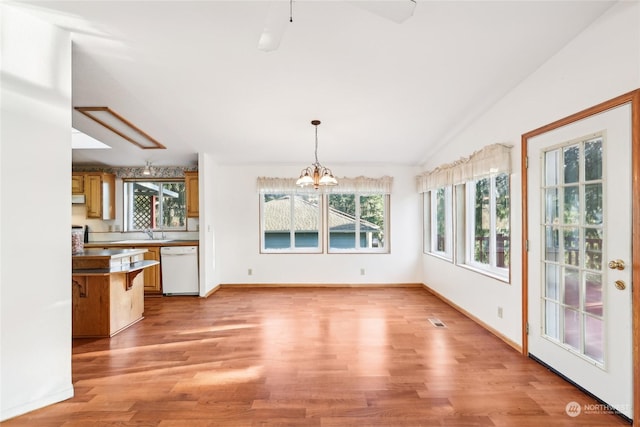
pixel 316 174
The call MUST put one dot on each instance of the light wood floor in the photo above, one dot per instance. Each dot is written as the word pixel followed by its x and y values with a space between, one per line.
pixel 309 357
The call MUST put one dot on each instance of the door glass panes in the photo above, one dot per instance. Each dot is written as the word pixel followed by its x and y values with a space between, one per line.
pixel 593 248
pixel 552 244
pixel 552 320
pixel 573 236
pixel 593 160
pixel 571 164
pixel 594 334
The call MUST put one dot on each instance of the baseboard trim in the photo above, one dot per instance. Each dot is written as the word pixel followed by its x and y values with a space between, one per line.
pixel 495 332
pixel 212 291
pixel 320 285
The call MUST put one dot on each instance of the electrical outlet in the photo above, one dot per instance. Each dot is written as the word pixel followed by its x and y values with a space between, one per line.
pixel 250 271
pixel 362 271
pixel 500 312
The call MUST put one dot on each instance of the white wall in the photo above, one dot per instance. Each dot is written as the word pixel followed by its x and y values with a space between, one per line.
pixel 601 63
pixel 209 181
pixel 35 214
pixel 238 234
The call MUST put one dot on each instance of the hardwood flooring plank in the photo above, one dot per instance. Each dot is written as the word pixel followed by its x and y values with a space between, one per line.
pixel 319 357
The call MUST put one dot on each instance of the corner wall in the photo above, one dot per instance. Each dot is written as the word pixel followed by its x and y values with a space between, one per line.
pixel 35 214
pixel 599 64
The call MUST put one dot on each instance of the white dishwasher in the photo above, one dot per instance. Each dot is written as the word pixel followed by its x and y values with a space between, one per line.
pixel 179 270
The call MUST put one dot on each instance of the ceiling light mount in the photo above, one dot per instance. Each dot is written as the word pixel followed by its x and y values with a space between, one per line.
pixel 316 174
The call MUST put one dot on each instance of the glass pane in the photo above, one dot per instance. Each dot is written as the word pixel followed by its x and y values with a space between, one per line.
pixel 552 244
pixel 173 207
pixel 593 160
pixel 594 338
pixel 551 317
pixel 306 217
pixel 571 328
pixel 426 198
pixel 154 205
pixel 551 167
pixel 552 208
pixel 571 205
pixel 482 219
pixel 593 203
pixel 571 164
pixel 571 291
pixel 342 223
pixel 552 285
pixel 593 294
pixel 277 221
pixel 372 220
pixel 502 221
pixel 593 248
pixel 441 223
pixel 571 240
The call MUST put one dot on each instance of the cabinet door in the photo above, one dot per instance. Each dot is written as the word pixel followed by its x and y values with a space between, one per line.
pixel 108 196
pixel 93 191
pixel 191 188
pixel 152 274
pixel 77 184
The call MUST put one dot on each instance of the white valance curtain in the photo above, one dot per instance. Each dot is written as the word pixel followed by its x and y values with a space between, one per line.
pixel 492 159
pixel 361 184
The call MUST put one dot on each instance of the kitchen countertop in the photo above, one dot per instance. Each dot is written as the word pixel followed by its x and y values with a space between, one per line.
pixel 141 243
pixel 94 253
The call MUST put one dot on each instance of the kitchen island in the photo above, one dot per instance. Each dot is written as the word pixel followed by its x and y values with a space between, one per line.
pixel 108 291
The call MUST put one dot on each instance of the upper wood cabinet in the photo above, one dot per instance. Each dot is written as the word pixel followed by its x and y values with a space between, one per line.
pixel 77 183
pixel 191 190
pixel 100 191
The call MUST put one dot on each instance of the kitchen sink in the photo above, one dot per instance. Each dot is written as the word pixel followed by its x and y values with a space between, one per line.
pixel 139 241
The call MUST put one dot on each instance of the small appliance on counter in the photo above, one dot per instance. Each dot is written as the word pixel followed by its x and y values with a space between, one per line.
pixel 77 239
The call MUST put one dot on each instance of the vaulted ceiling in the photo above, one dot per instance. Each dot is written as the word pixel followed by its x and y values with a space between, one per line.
pixel 190 74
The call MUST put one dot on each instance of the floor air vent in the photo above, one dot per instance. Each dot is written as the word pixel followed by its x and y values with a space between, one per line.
pixel 437 323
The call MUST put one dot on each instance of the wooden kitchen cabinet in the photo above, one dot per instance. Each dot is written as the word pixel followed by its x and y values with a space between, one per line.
pixel 152 280
pixel 100 195
pixel 77 183
pixel 191 190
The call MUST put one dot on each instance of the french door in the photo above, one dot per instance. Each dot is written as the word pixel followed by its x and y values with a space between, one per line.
pixel 578 264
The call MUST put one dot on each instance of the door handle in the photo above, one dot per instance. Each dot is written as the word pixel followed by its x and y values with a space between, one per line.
pixel 616 264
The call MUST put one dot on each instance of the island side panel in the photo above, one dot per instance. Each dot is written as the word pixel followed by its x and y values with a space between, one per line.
pixel 90 301
pixel 127 305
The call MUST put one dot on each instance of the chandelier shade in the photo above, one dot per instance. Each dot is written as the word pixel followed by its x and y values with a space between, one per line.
pixel 316 174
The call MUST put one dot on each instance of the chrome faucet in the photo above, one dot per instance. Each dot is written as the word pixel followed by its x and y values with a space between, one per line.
pixel 149 233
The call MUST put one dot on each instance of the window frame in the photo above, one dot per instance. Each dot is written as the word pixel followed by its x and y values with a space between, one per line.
pixel 430 212
pixel 127 209
pixel 385 249
pixel 491 268
pixel 323 225
pixel 292 249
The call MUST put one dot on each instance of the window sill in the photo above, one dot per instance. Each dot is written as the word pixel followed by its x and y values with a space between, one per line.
pixel 440 256
pixel 489 273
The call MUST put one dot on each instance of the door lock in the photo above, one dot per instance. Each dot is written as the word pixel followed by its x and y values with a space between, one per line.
pixel 616 264
pixel 620 285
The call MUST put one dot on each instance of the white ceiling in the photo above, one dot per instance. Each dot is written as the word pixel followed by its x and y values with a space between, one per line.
pixel 191 76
